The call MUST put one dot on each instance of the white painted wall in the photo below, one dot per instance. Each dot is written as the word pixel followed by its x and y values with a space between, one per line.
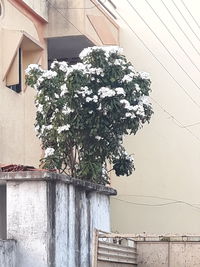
pixel 53 217
pixel 167 156
pixel 173 254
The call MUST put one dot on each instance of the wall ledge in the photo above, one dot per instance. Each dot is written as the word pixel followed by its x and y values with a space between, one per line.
pixel 54 177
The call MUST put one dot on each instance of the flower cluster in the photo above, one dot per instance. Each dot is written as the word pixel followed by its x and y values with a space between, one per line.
pixel 85 109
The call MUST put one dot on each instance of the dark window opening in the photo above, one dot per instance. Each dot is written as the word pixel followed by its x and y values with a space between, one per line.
pixel 18 87
pixel 3 226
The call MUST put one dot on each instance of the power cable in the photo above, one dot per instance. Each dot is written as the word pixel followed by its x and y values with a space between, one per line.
pixel 174 19
pixel 185 20
pixel 191 125
pixel 163 45
pixel 157 205
pixel 157 59
pixel 190 14
pixel 169 31
pixel 177 122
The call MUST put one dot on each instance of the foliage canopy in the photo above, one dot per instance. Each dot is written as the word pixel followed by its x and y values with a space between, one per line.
pixel 84 110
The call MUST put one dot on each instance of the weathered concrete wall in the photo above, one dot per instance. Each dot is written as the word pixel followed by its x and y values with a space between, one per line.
pixel 52 217
pixel 165 254
pixel 2 211
pixel 7 253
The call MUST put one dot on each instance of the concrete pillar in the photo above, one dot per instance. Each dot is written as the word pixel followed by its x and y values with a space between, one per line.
pixel 52 218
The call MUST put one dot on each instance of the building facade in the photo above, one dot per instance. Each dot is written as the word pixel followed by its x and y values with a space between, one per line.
pixel 33 31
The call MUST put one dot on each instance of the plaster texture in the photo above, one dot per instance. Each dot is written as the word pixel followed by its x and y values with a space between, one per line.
pixel 7 253
pixel 173 254
pixel 52 217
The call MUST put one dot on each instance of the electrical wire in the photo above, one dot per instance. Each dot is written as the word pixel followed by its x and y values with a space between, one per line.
pixel 163 45
pixel 157 205
pixel 169 31
pixel 157 59
pixel 185 20
pixel 190 14
pixel 147 204
pixel 191 125
pixel 174 19
pixel 177 122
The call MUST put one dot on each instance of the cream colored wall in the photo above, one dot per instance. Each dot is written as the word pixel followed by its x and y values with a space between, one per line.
pixel 18 143
pixel 167 156
pixel 39 6
pixel 68 18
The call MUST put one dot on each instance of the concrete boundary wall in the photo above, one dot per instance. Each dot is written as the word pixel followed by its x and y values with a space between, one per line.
pixel 168 254
pixel 7 253
pixel 52 217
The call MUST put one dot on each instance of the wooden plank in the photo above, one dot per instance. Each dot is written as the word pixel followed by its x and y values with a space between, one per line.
pixel 95 248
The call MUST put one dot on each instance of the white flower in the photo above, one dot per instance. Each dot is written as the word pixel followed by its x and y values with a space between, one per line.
pixel 49 74
pixel 107 49
pixel 40 108
pixel 63 66
pixel 84 91
pixel 98 137
pixel 39 81
pixel 63 128
pixel 128 114
pixel 144 75
pixel 67 110
pixel 132 69
pixel 137 87
pixel 90 111
pixel 106 92
pixel 53 64
pixel 127 105
pixel 56 95
pixel 140 111
pixel 95 98
pixel 49 152
pixel 88 99
pixel 144 100
pixel 97 71
pixel 37 128
pixel 120 91
pixel 32 67
pixel 127 78
pixel 80 67
pixel 63 89
pixel 49 127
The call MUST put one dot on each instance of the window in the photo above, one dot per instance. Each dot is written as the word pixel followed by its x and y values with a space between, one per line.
pixel 17 67
pixel 21 51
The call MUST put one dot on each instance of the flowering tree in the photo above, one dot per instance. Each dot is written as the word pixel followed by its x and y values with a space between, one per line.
pixel 84 110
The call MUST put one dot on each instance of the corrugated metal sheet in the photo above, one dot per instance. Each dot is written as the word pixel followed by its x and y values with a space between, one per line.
pixel 111 252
